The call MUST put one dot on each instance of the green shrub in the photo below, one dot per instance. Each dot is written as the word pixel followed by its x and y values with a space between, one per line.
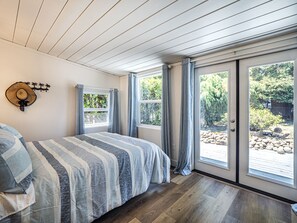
pixel 261 119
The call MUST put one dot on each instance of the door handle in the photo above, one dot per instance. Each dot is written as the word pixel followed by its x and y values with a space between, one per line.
pixel 232 130
pixel 232 121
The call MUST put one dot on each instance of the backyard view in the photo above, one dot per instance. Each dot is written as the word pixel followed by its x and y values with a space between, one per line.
pixel 271 138
pixel 150 90
pixel 95 108
pixel 271 119
pixel 213 117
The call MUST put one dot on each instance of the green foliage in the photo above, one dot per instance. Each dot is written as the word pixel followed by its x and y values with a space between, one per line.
pixel 150 89
pixel 213 97
pixel 95 101
pixel 271 82
pixel 223 121
pixel 261 119
pixel 277 70
pixel 150 113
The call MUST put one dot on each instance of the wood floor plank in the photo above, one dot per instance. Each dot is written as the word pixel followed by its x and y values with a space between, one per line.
pixel 126 212
pixel 220 206
pixel 243 208
pixel 197 198
pixel 150 213
pixel 135 220
pixel 230 219
pixel 215 189
pixel 152 202
pixel 180 179
pixel 164 218
pixel 251 207
pixel 192 202
pixel 293 217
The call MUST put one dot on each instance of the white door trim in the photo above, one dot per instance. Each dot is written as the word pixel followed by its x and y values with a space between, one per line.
pixel 229 172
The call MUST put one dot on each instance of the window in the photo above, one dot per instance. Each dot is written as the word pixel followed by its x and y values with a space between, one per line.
pixel 96 108
pixel 150 95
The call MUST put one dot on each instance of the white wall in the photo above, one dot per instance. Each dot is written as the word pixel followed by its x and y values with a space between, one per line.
pixel 53 113
pixel 176 78
pixel 154 134
pixel 151 134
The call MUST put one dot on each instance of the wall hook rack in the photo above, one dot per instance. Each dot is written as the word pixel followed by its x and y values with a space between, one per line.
pixel 38 86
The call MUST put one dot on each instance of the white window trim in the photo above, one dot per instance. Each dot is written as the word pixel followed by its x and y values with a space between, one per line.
pixel 98 92
pixel 150 101
pixel 139 77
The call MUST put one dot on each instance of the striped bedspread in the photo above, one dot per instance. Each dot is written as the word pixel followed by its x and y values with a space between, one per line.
pixel 80 178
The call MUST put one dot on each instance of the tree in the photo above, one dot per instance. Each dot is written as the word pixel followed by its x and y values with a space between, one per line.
pixel 271 83
pixel 213 97
pixel 95 101
pixel 151 88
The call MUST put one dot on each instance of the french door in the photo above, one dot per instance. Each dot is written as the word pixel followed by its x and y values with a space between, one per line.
pixel 264 157
pixel 215 120
pixel 267 142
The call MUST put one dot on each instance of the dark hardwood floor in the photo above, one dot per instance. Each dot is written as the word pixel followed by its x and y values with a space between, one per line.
pixel 197 198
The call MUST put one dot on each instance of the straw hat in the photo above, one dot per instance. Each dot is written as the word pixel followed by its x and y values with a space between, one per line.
pixel 20 94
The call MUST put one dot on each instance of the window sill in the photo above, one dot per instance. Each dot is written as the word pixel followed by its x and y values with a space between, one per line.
pixel 155 127
pixel 96 125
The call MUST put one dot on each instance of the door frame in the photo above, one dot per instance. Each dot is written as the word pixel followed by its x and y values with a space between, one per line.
pixel 228 173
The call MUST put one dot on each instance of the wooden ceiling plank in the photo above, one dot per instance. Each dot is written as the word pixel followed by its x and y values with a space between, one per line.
pixel 271 27
pixel 49 12
pixel 151 50
pixel 120 12
pixel 223 41
pixel 8 18
pixel 28 12
pixel 134 24
pixel 127 39
pixel 68 17
pixel 241 27
pixel 190 17
pixel 249 18
pixel 211 33
pixel 119 36
pixel 97 10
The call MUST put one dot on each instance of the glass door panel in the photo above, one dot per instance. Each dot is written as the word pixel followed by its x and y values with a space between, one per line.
pixel 215 113
pixel 214 118
pixel 267 133
pixel 271 128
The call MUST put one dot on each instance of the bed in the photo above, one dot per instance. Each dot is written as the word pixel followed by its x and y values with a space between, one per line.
pixel 80 178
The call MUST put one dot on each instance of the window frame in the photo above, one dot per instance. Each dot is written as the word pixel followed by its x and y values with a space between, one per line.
pixel 139 101
pixel 97 92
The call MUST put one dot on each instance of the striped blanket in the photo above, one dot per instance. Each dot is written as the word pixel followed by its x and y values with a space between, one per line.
pixel 80 178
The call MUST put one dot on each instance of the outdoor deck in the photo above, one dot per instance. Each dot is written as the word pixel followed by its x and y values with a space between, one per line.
pixel 263 160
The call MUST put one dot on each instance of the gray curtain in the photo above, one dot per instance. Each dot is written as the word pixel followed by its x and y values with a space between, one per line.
pixel 80 123
pixel 114 120
pixel 132 105
pixel 186 142
pixel 166 119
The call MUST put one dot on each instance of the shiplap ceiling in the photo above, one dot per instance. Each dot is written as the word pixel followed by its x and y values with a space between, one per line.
pixel 121 36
